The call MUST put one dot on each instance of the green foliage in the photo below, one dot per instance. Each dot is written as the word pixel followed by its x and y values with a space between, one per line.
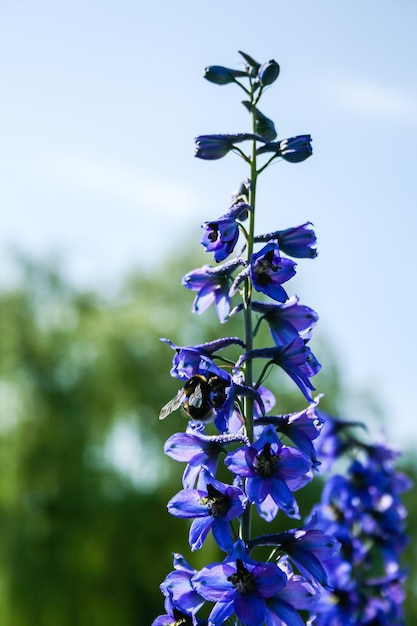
pixel 85 538
pixel 409 466
pixel 82 541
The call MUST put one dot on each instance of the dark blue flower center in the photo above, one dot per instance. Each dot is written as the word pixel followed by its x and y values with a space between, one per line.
pixel 218 504
pixel 265 462
pixel 243 581
pixel 181 619
pixel 264 267
pixel 214 235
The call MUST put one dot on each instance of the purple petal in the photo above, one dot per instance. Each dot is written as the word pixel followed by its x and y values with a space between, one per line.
pixel 222 305
pixel 268 509
pixel 187 504
pixel 198 531
pixel 299 593
pixel 220 613
pixel 292 464
pixel 285 612
pixel 222 534
pixel 212 582
pixel 182 447
pixel 204 299
pixel 250 609
pixel 284 498
pixel 269 579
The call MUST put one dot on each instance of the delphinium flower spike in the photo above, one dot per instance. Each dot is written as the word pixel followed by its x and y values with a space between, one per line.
pixel 263 471
pixel 362 508
pixel 240 459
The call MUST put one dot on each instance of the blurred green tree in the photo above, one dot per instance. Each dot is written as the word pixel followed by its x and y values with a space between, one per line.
pixel 85 538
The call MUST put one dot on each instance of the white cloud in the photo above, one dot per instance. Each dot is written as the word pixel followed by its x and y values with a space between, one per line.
pixel 153 194
pixel 381 102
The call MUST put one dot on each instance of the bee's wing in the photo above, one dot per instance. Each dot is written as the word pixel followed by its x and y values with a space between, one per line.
pixel 195 399
pixel 172 405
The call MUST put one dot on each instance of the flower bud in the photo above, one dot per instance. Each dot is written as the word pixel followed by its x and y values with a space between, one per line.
pixel 268 73
pixel 211 147
pixel 220 75
pixel 294 149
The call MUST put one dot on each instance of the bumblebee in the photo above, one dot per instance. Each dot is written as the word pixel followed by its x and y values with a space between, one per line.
pixel 199 397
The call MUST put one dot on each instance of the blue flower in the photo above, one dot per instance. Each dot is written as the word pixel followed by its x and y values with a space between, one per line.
pixel 272 471
pixel 199 451
pixel 334 439
pixel 286 321
pixel 268 270
pixel 297 594
pixel 307 548
pixel 301 427
pixel 221 235
pixel 294 149
pixel 364 512
pixel 385 608
pixel 213 285
pixel 212 508
pixel 190 360
pixel 239 586
pixel 178 589
pixel 296 359
pixel 297 241
pixel 341 607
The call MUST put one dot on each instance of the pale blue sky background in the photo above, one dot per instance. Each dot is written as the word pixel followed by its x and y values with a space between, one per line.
pixel 99 105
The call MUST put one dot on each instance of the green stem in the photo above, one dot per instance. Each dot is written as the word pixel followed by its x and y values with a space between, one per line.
pixel 261 169
pixel 247 298
pixel 247 316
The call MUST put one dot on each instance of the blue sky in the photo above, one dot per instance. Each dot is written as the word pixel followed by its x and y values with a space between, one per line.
pixel 100 103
